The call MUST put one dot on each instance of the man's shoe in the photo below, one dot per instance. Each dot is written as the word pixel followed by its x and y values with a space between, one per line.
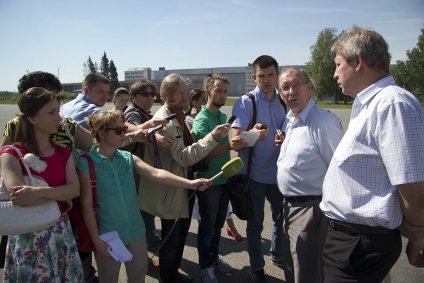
pixel 258 275
pixel 277 262
pixel 222 265
pixel 184 278
pixel 208 275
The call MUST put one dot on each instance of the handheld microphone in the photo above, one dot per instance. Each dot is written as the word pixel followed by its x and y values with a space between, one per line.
pixel 230 168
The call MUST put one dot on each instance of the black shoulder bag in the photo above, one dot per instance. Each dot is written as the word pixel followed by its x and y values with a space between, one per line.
pixel 238 185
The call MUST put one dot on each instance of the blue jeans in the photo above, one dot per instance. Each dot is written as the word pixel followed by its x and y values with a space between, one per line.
pixel 258 193
pixel 213 205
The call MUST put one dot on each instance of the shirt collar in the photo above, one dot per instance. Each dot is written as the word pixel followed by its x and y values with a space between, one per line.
pixel 98 158
pixel 303 115
pixel 82 96
pixel 261 95
pixel 210 114
pixel 367 94
pixel 139 108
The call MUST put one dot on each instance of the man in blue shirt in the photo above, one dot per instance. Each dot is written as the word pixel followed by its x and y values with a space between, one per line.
pixel 263 176
pixel 95 94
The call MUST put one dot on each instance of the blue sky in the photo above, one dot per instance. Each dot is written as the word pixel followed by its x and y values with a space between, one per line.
pixel 58 36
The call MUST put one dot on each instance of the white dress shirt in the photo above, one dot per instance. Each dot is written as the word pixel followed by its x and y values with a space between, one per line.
pixel 382 148
pixel 306 152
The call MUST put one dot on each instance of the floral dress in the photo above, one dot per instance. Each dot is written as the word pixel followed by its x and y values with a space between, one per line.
pixel 49 255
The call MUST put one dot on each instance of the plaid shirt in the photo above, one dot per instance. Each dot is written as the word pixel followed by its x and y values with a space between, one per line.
pixel 383 147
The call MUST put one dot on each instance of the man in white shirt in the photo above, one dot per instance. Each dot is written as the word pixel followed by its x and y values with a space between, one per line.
pixel 375 181
pixel 312 135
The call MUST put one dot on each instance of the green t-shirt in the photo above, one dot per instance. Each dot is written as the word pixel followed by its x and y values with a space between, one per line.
pixel 203 124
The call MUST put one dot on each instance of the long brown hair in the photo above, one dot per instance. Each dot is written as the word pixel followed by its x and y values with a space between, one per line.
pixel 30 102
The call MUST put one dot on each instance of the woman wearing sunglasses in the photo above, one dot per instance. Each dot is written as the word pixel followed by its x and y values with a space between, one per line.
pixel 117 197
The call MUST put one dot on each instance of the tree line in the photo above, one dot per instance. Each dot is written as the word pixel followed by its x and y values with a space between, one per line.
pixel 408 74
pixel 107 68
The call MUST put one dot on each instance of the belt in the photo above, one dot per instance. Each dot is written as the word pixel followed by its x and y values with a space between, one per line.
pixel 358 229
pixel 302 198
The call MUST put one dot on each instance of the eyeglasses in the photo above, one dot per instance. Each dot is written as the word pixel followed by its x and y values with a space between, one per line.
pixel 202 100
pixel 147 93
pixel 295 87
pixel 119 130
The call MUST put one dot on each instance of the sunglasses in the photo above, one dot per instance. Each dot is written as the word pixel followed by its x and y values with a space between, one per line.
pixel 119 130
pixel 146 94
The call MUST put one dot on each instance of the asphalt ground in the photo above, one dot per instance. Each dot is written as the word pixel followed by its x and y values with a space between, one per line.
pixel 233 252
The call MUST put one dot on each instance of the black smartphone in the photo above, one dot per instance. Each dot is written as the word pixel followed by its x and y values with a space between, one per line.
pixel 170 117
pixel 232 119
pixel 157 128
pixel 264 126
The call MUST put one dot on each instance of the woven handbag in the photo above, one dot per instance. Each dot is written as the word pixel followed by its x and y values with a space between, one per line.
pixel 17 220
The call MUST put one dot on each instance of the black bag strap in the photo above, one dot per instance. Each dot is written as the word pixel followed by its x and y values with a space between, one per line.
pixel 253 123
pixel 283 103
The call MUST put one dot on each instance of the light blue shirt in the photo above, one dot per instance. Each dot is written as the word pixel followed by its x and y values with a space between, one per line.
pixel 80 108
pixel 265 153
pixel 306 152
pixel 383 147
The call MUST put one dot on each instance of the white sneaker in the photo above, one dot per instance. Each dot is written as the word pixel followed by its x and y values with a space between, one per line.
pixel 222 265
pixel 208 275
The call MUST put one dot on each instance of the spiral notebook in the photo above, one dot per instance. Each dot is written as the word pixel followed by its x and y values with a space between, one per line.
pixel 119 252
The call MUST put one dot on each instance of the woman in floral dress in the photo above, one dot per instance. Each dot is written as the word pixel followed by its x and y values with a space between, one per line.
pixel 48 255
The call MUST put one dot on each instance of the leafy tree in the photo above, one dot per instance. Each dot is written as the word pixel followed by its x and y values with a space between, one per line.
pixel 113 76
pixel 104 66
pixel 401 75
pixel 90 67
pixel 410 73
pixel 321 66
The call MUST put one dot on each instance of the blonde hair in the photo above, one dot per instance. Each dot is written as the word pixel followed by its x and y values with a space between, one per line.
pixel 101 120
pixel 357 41
pixel 170 86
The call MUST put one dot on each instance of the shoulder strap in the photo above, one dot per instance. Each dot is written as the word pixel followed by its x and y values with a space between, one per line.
pixel 283 103
pixel 93 180
pixel 28 171
pixel 253 122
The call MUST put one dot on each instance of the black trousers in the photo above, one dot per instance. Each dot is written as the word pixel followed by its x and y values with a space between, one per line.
pixel 171 253
pixel 359 258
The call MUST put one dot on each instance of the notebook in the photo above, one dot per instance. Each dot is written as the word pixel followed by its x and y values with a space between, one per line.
pixel 119 252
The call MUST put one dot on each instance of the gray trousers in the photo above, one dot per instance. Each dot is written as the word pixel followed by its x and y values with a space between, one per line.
pixel 304 231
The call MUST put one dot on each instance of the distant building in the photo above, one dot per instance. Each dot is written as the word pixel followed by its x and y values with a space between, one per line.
pixel 137 73
pixel 240 78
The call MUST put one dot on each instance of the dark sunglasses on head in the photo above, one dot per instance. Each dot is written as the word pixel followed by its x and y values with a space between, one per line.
pixel 119 130
pixel 146 94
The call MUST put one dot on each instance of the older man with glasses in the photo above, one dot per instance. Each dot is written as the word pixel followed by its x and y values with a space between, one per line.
pixel 312 136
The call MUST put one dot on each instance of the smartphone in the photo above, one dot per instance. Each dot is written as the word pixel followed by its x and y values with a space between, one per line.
pixel 170 117
pixel 157 128
pixel 264 126
pixel 232 119
pixel 281 134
